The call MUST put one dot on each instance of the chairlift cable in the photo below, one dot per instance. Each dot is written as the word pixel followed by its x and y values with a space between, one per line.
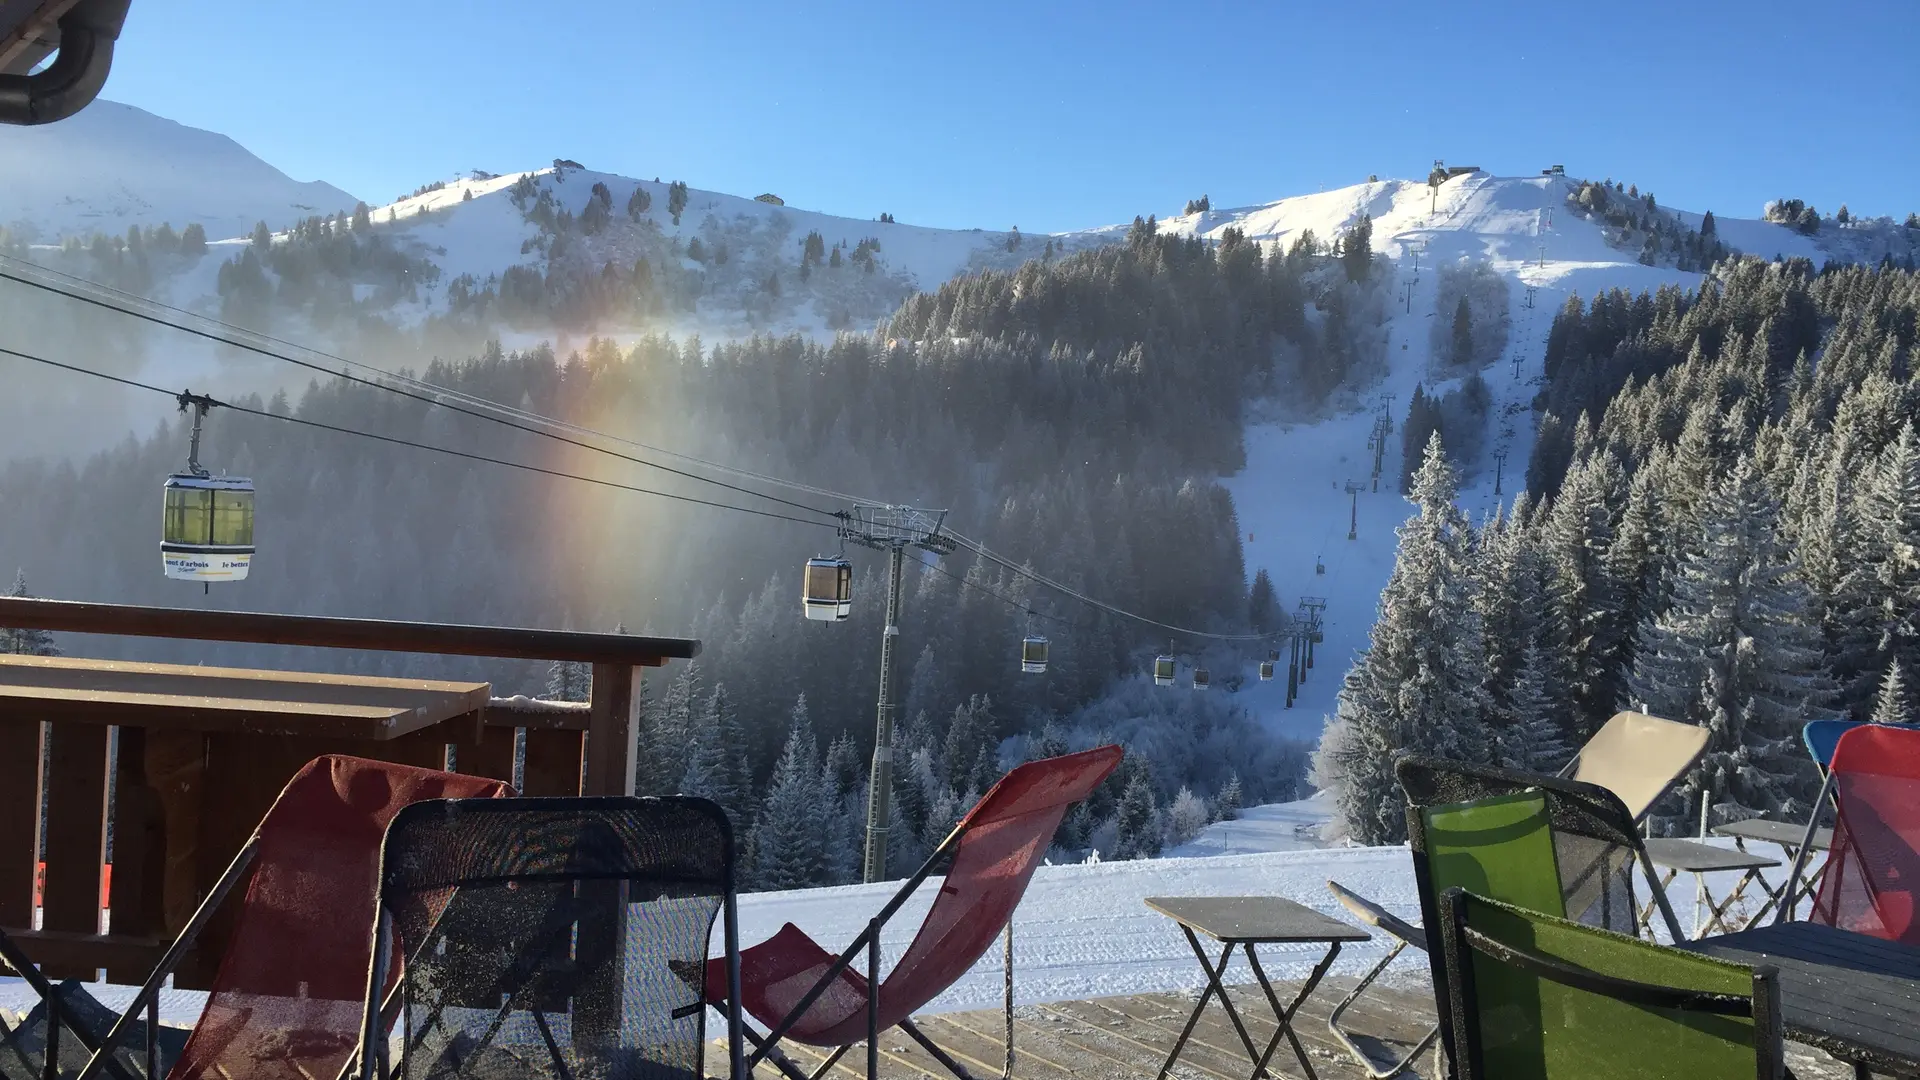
pixel 426 399
pixel 435 388
pixel 303 422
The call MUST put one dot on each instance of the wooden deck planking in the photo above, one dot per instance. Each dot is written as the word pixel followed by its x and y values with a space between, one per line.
pixel 1127 1038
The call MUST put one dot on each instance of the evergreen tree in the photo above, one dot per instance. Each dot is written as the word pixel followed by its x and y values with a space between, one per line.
pixel 1534 741
pixel 1138 820
pixel 639 202
pixel 1578 537
pixel 1892 707
pixel 715 769
pixel 790 837
pixel 1461 354
pixel 1418 685
pixel 1356 249
pixel 1734 654
pixel 1706 225
pixel 25 642
pixel 1879 592
pixel 1185 818
pixel 676 200
pixel 1226 806
pixel 262 238
pixel 193 239
pixel 1263 611
pixel 569 680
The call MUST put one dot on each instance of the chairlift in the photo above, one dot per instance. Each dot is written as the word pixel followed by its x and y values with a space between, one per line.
pixel 1201 680
pixel 826 590
pixel 1033 655
pixel 206 527
pixel 1163 670
pixel 1319 567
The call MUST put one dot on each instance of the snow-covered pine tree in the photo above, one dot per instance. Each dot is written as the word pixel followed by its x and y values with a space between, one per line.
pixel 1891 705
pixel 666 733
pixel 569 680
pixel 1577 535
pixel 790 839
pixel 25 642
pixel 1185 818
pixel 1735 654
pixel 1418 685
pixel 1534 742
pixel 1226 805
pixel 1138 820
pixel 714 764
pixel 1879 593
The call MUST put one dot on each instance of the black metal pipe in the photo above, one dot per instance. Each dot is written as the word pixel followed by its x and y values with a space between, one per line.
pixel 78 72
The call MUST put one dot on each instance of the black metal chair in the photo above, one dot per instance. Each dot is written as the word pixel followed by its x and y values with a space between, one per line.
pixel 549 938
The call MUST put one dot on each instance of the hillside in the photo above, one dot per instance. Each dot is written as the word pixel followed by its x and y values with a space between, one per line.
pixel 113 166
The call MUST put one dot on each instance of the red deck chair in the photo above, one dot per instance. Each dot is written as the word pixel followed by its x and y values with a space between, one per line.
pixel 801 991
pixel 286 1003
pixel 1873 870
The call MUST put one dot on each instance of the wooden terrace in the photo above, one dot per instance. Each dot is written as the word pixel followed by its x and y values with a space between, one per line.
pixel 1127 1038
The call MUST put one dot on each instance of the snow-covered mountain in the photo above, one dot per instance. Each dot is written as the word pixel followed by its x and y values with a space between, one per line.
pixel 1292 498
pixel 114 165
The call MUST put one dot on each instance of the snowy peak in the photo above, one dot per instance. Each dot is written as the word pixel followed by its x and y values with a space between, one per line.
pixel 113 166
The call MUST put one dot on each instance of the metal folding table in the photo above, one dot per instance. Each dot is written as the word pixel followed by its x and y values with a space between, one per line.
pixel 1246 921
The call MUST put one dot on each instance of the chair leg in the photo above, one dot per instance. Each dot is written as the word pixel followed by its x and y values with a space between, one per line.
pixel 832 1059
pixel 1375 1071
pixel 913 1032
pixel 772 1054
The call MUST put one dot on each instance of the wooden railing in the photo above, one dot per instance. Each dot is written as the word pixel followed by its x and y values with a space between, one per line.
pixel 185 795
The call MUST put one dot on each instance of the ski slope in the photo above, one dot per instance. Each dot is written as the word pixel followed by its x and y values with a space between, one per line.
pixel 1291 497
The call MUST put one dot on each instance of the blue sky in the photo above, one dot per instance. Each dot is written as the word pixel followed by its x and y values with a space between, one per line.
pixel 1052 116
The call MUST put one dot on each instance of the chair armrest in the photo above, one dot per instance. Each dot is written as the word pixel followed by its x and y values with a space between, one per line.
pixel 1374 915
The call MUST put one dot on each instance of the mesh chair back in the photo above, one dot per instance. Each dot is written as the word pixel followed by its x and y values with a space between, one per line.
pixel 1594 841
pixel 552 938
pixel 1639 758
pixel 285 1003
pixel 1823 736
pixel 1534 997
pixel 1873 868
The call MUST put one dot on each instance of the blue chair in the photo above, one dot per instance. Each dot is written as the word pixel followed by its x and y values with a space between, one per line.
pixel 1821 737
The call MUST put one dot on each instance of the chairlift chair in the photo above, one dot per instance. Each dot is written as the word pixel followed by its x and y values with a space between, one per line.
pixel 827 589
pixel 1033 655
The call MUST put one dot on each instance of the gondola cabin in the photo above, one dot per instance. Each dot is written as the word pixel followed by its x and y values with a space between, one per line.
pixel 207 527
pixel 1201 678
pixel 1163 671
pixel 826 589
pixel 1266 671
pixel 1033 655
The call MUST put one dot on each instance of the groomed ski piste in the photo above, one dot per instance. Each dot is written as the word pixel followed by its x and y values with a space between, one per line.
pixel 1291 497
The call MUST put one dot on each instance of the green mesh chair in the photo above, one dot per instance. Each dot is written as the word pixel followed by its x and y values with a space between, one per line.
pixel 1535 997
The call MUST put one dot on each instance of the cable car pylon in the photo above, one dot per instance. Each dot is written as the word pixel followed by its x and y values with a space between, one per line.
pixel 892 529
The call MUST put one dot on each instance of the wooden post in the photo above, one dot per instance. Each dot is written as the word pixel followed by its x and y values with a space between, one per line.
pixel 19 819
pixel 139 851
pixel 76 833
pixel 612 730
